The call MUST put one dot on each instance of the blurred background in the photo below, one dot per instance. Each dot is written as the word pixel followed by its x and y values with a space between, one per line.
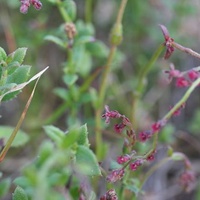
pixel 141 37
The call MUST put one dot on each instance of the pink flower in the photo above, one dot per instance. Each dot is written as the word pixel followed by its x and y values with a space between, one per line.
pixel 156 127
pixel 151 156
pixel 145 135
pixel 182 82
pixel 110 195
pixel 187 180
pixel 168 42
pixel 37 4
pixel 115 175
pixel 133 166
pixel 193 75
pixel 173 73
pixel 110 114
pixel 119 127
pixel 123 159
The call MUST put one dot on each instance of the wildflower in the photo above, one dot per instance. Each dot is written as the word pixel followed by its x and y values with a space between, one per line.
pixel 168 42
pixel 115 175
pixel 157 126
pixel 151 156
pixel 173 73
pixel 123 159
pixel 119 127
pixel 193 75
pixel 133 166
pixel 25 4
pixel 182 82
pixel 110 195
pixel 110 114
pixel 145 135
pixel 187 180
pixel 37 4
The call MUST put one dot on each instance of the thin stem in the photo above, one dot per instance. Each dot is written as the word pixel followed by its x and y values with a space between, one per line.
pixel 102 89
pixel 88 11
pixel 186 50
pixel 63 11
pixel 141 83
pixel 183 99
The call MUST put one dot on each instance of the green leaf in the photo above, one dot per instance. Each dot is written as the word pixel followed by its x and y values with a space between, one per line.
pixel 70 8
pixel 56 40
pixel 19 194
pixel 98 49
pixel 46 150
pixel 22 85
pixel 70 137
pixel 62 93
pixel 4 186
pixel 11 67
pixel 70 79
pixel 20 139
pixel 133 189
pixel 83 136
pixel 3 54
pixel 86 161
pixel 18 55
pixel 20 75
pixel 54 133
pixel 84 39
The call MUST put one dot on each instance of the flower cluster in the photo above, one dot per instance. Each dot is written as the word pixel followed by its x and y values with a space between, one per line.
pixel 187 180
pixel 115 175
pixel 110 195
pixel 115 114
pixel 168 42
pixel 183 79
pixel 25 4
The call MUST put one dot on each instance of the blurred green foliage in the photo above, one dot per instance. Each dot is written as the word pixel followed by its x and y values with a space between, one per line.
pixel 68 96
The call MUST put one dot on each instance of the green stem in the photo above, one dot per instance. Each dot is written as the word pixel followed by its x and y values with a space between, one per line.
pixel 141 83
pixel 183 99
pixel 88 11
pixel 63 11
pixel 103 83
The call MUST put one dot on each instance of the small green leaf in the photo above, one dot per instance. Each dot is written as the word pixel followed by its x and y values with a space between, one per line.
pixel 3 54
pixel 84 39
pixel 20 139
pixel 46 150
pixel 18 55
pixel 22 85
pixel 56 40
pixel 70 8
pixel 86 161
pixel 54 133
pixel 70 137
pixel 62 93
pixel 98 49
pixel 4 187
pixel 20 75
pixel 19 194
pixel 133 189
pixel 11 67
pixel 83 136
pixel 70 79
